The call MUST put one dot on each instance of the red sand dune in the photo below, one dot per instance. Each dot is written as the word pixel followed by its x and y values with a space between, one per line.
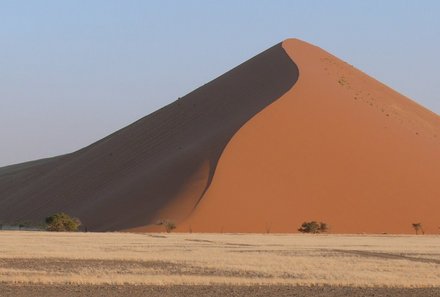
pixel 292 135
pixel 338 147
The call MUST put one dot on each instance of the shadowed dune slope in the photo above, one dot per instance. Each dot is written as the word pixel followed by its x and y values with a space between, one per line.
pixel 339 147
pixel 158 167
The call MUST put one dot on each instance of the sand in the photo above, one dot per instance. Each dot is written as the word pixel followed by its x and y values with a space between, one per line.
pixel 214 291
pixel 159 167
pixel 292 135
pixel 339 147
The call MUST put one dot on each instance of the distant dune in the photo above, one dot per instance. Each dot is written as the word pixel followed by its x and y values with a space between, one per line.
pixel 293 134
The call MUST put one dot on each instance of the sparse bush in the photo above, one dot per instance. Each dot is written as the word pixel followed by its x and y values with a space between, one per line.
pixel 62 222
pixel 268 227
pixel 168 224
pixel 313 227
pixel 323 227
pixel 418 227
pixel 25 224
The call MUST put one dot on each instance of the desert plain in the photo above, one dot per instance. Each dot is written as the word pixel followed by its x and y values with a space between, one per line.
pixel 184 264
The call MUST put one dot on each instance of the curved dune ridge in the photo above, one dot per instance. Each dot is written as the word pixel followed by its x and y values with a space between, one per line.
pixel 339 147
pixel 158 167
pixel 292 135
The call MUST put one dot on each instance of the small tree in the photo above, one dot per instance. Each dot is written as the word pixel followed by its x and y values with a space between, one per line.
pixel 168 224
pixel 418 227
pixel 313 227
pixel 323 227
pixel 62 222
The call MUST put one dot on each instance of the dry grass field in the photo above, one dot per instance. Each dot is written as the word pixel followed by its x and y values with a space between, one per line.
pixel 219 259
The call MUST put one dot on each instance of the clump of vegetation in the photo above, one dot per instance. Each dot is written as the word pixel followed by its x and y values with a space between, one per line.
pixel 418 227
pixel 342 81
pixel 268 227
pixel 168 224
pixel 313 227
pixel 61 221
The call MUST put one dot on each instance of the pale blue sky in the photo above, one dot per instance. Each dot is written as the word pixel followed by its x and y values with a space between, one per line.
pixel 72 72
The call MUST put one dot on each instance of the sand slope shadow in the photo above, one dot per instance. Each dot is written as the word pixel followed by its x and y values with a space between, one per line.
pixel 124 180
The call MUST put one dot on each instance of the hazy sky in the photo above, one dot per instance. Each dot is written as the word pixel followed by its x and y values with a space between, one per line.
pixel 72 72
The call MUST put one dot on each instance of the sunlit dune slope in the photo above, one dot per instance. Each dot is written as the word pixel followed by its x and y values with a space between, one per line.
pixel 339 147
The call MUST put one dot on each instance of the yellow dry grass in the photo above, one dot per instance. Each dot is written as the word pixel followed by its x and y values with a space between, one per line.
pixel 124 258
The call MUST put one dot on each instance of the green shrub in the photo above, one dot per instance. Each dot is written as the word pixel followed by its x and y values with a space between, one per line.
pixel 62 222
pixel 313 227
pixel 169 225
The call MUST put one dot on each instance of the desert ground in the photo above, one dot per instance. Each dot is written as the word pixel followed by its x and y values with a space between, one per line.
pixel 179 264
